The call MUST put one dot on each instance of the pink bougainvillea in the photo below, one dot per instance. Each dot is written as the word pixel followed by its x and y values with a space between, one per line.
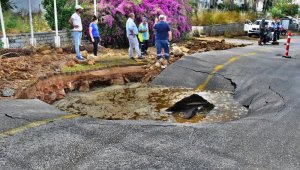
pixel 114 13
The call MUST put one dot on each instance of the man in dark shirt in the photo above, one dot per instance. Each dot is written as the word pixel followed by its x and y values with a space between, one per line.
pixel 162 37
pixel 262 30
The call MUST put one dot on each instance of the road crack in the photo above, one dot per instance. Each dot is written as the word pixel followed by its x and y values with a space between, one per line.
pixel 14 117
pixel 278 94
pixel 205 72
pixel 210 73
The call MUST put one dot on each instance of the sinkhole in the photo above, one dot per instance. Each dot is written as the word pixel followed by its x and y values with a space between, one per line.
pixel 145 102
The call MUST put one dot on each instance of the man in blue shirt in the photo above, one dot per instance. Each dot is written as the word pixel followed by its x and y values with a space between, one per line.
pixel 132 32
pixel 163 35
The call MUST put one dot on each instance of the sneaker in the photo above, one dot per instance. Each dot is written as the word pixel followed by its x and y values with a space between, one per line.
pixel 161 60
pixel 141 57
pixel 80 58
pixel 164 66
pixel 131 58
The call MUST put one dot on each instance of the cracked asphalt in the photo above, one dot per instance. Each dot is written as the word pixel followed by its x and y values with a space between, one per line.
pixel 267 138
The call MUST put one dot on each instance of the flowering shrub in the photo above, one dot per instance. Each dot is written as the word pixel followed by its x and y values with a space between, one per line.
pixel 113 16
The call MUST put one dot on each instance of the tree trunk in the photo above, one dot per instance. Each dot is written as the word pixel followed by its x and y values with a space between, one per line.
pixel 254 5
pixel 245 5
pixel 231 4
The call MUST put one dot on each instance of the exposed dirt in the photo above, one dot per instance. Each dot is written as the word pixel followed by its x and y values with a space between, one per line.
pixel 23 69
pixel 139 101
pixel 55 87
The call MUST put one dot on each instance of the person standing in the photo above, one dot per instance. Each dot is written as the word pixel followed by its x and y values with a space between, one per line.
pixel 279 26
pixel 274 30
pixel 144 36
pixel 262 30
pixel 132 32
pixel 94 34
pixel 75 21
pixel 163 36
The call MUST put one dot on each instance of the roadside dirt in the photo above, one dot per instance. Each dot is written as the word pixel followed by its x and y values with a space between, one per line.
pixel 23 69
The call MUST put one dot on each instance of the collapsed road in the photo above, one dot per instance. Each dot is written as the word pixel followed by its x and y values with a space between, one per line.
pixel 266 138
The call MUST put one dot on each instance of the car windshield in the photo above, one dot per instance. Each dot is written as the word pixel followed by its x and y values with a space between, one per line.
pixel 256 22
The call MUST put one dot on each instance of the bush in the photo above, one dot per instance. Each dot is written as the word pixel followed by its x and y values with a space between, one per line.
pixel 213 17
pixel 17 23
pixel 64 13
pixel 114 14
pixel 227 6
pixel 7 4
pixel 284 8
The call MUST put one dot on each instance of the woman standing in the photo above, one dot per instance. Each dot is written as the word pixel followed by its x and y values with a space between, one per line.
pixel 94 34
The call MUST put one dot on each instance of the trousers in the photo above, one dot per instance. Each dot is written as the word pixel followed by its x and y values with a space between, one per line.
pixel 96 44
pixel 162 44
pixel 133 44
pixel 77 38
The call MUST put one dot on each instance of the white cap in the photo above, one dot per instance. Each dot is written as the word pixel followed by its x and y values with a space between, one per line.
pixel 78 7
pixel 161 17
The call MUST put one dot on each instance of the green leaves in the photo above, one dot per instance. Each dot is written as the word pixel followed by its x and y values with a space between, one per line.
pixel 284 8
pixel 7 4
pixel 64 13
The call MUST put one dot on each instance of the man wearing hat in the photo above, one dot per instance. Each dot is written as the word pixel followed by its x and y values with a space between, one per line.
pixel 75 21
pixel 144 35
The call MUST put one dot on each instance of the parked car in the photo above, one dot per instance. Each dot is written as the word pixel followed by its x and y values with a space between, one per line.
pixel 247 26
pixel 253 28
pixel 290 23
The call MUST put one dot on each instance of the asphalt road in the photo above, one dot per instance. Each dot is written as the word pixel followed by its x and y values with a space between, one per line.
pixel 267 138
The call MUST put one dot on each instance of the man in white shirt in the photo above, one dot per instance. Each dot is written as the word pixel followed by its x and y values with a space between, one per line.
pixel 132 32
pixel 75 21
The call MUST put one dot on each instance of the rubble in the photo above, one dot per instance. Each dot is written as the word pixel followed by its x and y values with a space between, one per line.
pixel 7 92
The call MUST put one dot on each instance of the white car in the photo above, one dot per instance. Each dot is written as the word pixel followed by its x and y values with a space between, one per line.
pixel 253 28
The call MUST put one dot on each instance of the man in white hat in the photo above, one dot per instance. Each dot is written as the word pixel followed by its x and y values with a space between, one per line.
pixel 75 21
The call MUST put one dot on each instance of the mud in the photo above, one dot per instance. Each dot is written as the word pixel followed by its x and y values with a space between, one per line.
pixel 138 101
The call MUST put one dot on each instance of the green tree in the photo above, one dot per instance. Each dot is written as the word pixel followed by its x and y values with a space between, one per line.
pixel 284 8
pixel 7 4
pixel 267 5
pixel 64 13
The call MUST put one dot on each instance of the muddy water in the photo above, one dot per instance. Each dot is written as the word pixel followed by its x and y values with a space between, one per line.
pixel 137 101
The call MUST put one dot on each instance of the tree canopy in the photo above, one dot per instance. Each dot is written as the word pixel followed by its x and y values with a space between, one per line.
pixel 7 4
pixel 284 8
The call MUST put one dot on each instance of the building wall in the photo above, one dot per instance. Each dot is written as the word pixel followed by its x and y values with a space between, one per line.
pixel 22 5
pixel 22 40
pixel 217 30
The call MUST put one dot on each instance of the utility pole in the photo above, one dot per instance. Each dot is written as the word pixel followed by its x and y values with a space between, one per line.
pixel 32 39
pixel 56 38
pixel 4 38
pixel 95 8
